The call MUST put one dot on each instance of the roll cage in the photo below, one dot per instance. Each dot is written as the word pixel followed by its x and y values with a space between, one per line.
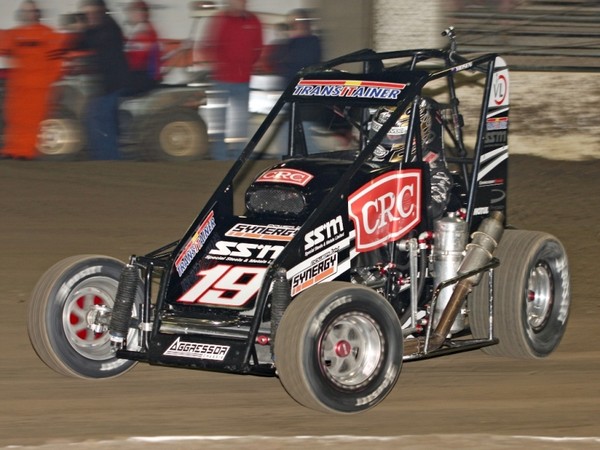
pixel 414 69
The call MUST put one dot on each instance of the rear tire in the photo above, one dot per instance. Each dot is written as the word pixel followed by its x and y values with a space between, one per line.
pixel 532 296
pixel 62 309
pixel 178 136
pixel 339 348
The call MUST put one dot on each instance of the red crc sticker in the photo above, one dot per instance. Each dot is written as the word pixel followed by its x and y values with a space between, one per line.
pixel 283 175
pixel 386 209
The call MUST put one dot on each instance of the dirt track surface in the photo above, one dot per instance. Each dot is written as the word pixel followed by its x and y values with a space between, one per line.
pixel 54 210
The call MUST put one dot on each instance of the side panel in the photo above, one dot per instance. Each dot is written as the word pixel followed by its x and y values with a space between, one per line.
pixel 493 169
pixel 223 264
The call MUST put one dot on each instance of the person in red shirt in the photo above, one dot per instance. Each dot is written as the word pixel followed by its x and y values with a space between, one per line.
pixel 142 48
pixel 35 53
pixel 233 44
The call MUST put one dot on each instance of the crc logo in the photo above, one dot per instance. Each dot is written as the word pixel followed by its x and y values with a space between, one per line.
pixel 386 209
pixel 291 176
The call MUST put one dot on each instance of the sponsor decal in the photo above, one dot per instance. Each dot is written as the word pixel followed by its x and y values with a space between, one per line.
pixel 395 132
pixel 496 123
pixel 499 93
pixel 321 267
pixel 349 89
pixel 494 182
pixel 385 209
pixel 462 67
pixel 323 235
pixel 495 137
pixel 195 243
pixel 283 233
pixel 197 350
pixel 481 211
pixel 244 252
pixel 291 176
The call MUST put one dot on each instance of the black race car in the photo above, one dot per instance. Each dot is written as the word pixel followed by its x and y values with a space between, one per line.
pixel 379 237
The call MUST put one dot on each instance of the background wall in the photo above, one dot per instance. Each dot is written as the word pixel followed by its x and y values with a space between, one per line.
pixel 407 24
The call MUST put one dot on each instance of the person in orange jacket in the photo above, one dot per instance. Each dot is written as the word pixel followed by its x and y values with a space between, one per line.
pixel 34 50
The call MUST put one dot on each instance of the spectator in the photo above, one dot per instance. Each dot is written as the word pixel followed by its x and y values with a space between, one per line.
pixel 142 48
pixel 303 48
pixel 103 37
pixel 233 45
pixel 34 50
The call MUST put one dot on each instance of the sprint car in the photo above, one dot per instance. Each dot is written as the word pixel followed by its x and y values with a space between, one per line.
pixel 379 237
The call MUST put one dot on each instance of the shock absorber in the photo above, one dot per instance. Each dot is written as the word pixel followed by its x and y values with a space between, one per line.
pixel 123 307
pixel 280 300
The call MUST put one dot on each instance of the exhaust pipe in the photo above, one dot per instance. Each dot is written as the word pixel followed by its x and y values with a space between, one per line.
pixel 478 253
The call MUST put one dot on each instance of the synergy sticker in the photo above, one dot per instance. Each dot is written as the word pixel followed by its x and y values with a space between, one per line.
pixel 197 350
pixel 349 89
pixel 320 267
pixel 283 233
pixel 195 243
pixel 283 175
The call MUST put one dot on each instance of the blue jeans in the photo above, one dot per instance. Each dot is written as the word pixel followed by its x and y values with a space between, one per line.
pixel 236 121
pixel 102 126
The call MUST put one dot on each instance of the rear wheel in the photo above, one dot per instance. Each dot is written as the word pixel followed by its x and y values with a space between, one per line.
pixel 339 348
pixel 179 135
pixel 531 293
pixel 69 313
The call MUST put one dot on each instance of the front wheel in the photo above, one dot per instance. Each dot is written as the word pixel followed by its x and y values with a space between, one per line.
pixel 60 137
pixel 532 296
pixel 69 313
pixel 338 348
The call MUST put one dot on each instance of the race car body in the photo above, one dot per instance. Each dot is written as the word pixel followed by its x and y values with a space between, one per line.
pixel 379 237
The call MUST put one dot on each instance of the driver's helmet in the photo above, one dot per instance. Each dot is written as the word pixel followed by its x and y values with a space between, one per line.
pixel 391 147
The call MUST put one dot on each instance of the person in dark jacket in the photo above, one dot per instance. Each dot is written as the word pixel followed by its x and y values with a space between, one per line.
pixel 104 39
pixel 303 48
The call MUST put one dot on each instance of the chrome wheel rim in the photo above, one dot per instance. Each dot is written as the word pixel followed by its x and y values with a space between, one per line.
pixel 90 296
pixel 540 296
pixel 351 350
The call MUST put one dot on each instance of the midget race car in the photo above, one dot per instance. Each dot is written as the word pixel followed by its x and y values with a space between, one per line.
pixel 379 237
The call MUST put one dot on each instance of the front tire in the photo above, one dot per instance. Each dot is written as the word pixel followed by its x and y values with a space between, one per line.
pixel 339 348
pixel 60 137
pixel 532 296
pixel 67 304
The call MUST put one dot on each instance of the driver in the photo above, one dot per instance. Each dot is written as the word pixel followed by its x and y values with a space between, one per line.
pixel 391 148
